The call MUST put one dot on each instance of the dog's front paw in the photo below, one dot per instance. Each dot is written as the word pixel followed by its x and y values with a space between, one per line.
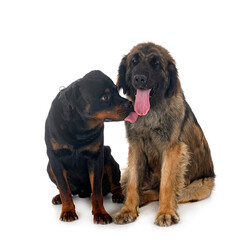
pixel 102 218
pixel 125 216
pixel 68 216
pixel 166 219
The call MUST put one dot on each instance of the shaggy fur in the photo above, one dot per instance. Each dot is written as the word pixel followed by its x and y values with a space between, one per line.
pixel 169 158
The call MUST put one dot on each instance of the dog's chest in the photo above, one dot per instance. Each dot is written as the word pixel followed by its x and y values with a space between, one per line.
pixel 148 134
pixel 154 128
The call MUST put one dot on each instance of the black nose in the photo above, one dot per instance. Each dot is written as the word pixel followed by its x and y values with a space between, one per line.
pixel 128 104
pixel 140 81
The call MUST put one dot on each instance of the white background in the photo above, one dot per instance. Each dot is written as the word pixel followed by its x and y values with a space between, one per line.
pixel 48 44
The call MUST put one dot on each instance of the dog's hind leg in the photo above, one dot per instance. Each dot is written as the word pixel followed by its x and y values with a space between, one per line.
pixel 111 179
pixel 57 200
pixel 148 196
pixel 197 190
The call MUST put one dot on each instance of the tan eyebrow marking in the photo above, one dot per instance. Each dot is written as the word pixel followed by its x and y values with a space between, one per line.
pixel 107 90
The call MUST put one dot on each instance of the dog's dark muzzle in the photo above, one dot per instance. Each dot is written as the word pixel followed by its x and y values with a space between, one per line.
pixel 128 105
pixel 140 81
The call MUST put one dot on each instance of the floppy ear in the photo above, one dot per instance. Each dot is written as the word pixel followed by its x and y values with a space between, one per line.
pixel 68 98
pixel 66 103
pixel 173 79
pixel 121 82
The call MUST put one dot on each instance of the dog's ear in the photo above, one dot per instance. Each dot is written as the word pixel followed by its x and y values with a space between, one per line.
pixel 66 103
pixel 121 81
pixel 68 98
pixel 173 80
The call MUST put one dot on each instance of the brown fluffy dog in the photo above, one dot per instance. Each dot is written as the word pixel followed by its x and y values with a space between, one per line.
pixel 169 158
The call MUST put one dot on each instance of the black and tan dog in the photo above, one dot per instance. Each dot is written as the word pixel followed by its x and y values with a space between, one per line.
pixel 78 161
pixel 169 158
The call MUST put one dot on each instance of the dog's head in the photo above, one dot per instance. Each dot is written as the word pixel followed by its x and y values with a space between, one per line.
pixel 147 74
pixel 95 97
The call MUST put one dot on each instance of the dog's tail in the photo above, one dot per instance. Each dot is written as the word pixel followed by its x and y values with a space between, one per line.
pixel 197 190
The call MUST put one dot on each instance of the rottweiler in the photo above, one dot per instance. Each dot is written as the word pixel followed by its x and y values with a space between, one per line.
pixel 79 163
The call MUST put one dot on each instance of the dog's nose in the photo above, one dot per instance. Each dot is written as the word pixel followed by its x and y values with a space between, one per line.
pixel 128 105
pixel 140 80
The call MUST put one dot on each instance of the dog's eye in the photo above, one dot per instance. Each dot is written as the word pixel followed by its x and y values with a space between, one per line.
pixel 155 62
pixel 134 60
pixel 106 97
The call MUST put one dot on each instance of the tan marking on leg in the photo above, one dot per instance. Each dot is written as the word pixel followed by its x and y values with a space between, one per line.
pixel 167 214
pixel 129 211
pixel 68 208
pixel 99 213
pixel 116 190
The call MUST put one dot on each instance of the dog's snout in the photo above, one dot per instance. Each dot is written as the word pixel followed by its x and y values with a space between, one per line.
pixel 140 81
pixel 128 104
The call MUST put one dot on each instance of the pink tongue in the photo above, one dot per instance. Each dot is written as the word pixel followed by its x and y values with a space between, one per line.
pixel 142 102
pixel 132 117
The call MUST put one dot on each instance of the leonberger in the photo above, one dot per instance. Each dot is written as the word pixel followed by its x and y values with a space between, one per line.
pixel 169 158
